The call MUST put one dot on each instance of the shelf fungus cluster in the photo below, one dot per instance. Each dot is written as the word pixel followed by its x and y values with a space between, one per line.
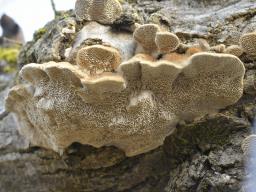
pixel 151 38
pixel 133 104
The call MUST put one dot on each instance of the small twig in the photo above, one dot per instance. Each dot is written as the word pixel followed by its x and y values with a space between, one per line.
pixel 54 8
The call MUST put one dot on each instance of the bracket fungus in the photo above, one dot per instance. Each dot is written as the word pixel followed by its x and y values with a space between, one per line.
pixel 248 43
pixel 121 40
pixel 234 50
pixel 152 38
pixel 111 97
pixel 133 109
pixel 98 58
pixel 145 36
pixel 102 11
pixel 166 42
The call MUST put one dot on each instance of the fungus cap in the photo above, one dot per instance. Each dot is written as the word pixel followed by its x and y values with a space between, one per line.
pixel 166 42
pixel 234 50
pixel 98 58
pixel 102 11
pixel 134 110
pixel 209 81
pixel 248 43
pixel 209 62
pixel 145 36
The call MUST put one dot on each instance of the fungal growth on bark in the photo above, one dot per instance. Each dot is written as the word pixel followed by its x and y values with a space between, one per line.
pixel 152 38
pixel 234 50
pixel 248 43
pixel 166 42
pixel 95 32
pixel 145 35
pixel 98 58
pixel 102 11
pixel 133 109
pixel 110 96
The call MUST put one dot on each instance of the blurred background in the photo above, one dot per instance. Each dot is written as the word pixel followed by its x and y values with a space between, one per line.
pixel 32 14
pixel 19 19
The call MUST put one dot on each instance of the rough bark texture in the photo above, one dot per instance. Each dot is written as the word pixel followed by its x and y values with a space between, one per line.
pixel 204 155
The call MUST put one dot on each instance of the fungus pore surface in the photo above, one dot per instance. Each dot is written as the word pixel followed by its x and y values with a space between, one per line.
pixel 98 58
pixel 102 11
pixel 133 109
pixel 110 97
pixel 234 50
pixel 248 43
pixel 145 35
pixel 166 42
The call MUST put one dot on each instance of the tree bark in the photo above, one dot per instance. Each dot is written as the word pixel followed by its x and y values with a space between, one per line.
pixel 201 156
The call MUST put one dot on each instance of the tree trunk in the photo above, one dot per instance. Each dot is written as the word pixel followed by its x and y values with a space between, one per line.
pixel 200 156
